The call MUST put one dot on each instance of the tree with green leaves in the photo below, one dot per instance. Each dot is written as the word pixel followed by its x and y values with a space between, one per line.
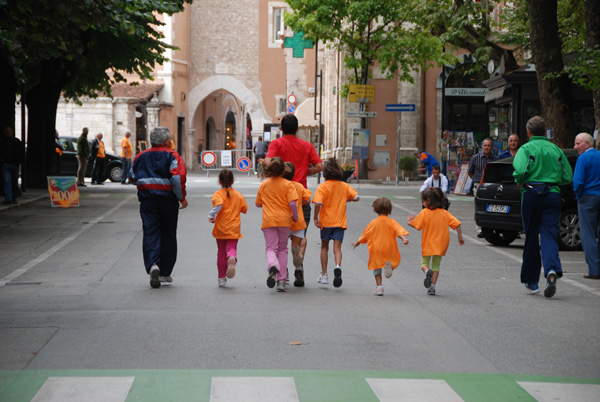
pixel 75 48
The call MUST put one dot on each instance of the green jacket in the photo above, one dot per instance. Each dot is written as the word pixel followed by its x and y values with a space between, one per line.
pixel 540 161
pixel 83 146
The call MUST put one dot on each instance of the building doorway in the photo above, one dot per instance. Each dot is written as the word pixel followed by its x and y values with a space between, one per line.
pixel 230 132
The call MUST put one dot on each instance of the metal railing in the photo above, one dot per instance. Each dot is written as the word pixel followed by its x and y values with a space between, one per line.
pixel 225 159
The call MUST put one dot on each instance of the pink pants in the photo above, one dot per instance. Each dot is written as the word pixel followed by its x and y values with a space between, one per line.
pixel 225 248
pixel 276 240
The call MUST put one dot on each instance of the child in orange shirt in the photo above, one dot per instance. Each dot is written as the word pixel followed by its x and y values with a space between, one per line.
pixel 277 197
pixel 227 206
pixel 380 236
pixel 434 220
pixel 330 216
pixel 298 229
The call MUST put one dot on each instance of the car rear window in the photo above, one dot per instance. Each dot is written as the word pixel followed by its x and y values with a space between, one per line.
pixel 498 173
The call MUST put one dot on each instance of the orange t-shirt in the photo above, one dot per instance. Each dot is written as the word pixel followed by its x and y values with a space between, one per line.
pixel 274 194
pixel 126 148
pixel 380 236
pixel 436 237
pixel 303 194
pixel 228 222
pixel 333 195
pixel 101 152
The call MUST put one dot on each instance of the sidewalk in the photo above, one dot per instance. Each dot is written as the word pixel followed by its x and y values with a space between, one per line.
pixel 30 195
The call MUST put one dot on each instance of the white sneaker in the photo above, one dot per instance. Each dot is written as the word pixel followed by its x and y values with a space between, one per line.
pixel 379 291
pixel 222 282
pixel 297 260
pixel 165 279
pixel 231 261
pixel 388 269
pixel 323 279
pixel 281 286
pixel 154 276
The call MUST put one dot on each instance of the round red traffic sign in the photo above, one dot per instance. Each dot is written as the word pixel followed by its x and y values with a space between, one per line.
pixel 292 99
pixel 243 164
pixel 209 158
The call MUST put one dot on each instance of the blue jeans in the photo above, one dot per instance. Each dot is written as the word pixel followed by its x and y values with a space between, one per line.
pixel 126 167
pixel 444 167
pixel 10 174
pixel 159 221
pixel 541 218
pixel 589 224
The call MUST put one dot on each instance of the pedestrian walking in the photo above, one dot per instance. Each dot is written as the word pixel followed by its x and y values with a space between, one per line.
pixel 160 175
pixel 228 204
pixel 298 229
pixel 380 237
pixel 83 156
pixel 302 154
pixel 330 216
pixel 99 158
pixel 540 167
pixel 586 184
pixel 477 166
pixel 277 198
pixel 126 155
pixel 434 220
pixel 444 152
pixel 12 154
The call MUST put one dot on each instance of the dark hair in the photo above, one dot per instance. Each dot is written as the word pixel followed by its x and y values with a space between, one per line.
pixel 289 124
pixel 437 167
pixel 537 126
pixel 434 196
pixel 382 206
pixel 487 139
pixel 226 179
pixel 290 171
pixel 276 168
pixel 332 170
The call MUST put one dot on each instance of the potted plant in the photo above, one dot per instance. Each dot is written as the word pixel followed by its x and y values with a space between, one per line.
pixel 347 171
pixel 408 164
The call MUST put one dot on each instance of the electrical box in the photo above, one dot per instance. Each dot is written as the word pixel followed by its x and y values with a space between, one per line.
pixel 381 158
pixel 381 140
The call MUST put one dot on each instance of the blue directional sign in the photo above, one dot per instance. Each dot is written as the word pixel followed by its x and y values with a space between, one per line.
pixel 244 164
pixel 291 109
pixel 400 108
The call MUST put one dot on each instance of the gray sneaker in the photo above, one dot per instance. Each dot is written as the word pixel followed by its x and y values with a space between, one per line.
pixel 165 279
pixel 551 279
pixel 428 276
pixel 154 276
pixel 297 260
pixel 281 286
pixel 388 269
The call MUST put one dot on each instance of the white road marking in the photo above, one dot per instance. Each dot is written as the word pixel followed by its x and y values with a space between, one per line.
pixel 253 389
pixel 553 392
pixel 89 389
pixel 20 271
pixel 400 390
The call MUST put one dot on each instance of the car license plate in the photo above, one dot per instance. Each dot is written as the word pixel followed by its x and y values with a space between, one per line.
pixel 503 209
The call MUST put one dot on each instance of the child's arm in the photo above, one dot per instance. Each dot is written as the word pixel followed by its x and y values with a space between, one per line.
pixel 410 218
pixel 317 210
pixel 461 241
pixel 212 215
pixel 355 244
pixel 294 208
pixel 404 240
pixel 355 199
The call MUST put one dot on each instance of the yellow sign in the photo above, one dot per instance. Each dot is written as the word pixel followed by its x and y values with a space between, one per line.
pixel 362 94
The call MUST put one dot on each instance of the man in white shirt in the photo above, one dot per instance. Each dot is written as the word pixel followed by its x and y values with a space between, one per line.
pixel 437 179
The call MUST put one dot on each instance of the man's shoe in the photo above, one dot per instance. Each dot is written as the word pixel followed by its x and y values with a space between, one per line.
pixel 337 277
pixel 551 279
pixel 388 269
pixel 281 286
pixel 154 276
pixel 428 276
pixel 533 288
pixel 7 202
pixel 165 279
pixel 82 185
pixel 100 183
pixel 297 260
pixel 322 279
pixel 271 277
pixel 299 275
pixel 588 276
pixel 480 235
pixel 231 267
pixel 379 291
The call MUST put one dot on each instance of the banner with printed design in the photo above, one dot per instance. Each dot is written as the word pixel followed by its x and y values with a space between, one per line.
pixel 63 191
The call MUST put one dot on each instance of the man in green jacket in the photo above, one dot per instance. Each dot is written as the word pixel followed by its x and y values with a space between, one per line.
pixel 540 167
pixel 83 156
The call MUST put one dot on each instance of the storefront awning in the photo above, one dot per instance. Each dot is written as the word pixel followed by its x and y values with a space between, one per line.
pixel 306 114
pixel 494 94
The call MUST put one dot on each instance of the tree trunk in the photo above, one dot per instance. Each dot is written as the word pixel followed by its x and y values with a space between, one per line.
pixel 547 54
pixel 592 41
pixel 42 102
pixel 8 95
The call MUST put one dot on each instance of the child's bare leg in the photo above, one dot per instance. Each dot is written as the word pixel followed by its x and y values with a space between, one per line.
pixel 435 276
pixel 378 280
pixel 324 252
pixel 424 268
pixel 337 252
pixel 303 243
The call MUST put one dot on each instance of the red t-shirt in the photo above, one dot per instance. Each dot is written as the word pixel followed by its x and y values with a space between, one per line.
pixel 292 149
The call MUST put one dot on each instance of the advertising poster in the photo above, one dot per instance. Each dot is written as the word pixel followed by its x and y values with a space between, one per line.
pixel 63 191
pixel 360 143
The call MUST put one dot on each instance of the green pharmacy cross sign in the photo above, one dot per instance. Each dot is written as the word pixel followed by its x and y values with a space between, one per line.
pixel 298 43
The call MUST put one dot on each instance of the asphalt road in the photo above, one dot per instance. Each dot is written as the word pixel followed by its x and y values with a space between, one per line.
pixel 75 296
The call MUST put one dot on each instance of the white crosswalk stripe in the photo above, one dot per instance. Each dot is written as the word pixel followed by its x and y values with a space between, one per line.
pixel 554 392
pixel 253 389
pixel 408 390
pixel 88 389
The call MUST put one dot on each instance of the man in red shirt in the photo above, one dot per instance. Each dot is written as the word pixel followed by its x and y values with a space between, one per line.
pixel 302 154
